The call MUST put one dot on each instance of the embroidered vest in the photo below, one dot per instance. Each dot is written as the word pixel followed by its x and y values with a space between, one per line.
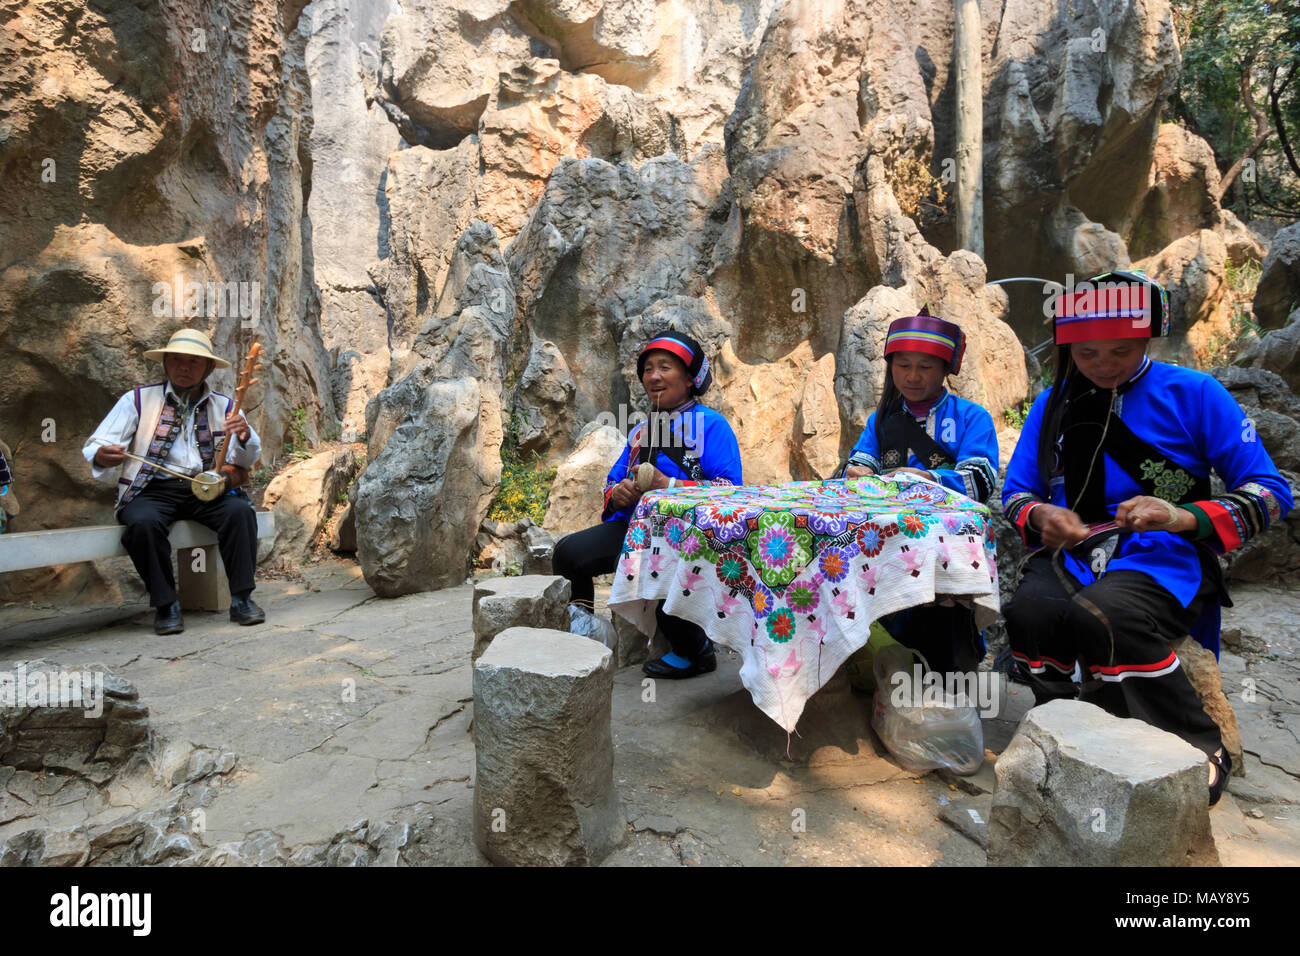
pixel 159 426
pixel 902 434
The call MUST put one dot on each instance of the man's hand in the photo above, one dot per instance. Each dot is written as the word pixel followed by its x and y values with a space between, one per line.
pixel 625 494
pixel 110 456
pixel 1147 513
pixel 857 471
pixel 1058 527
pixel 236 425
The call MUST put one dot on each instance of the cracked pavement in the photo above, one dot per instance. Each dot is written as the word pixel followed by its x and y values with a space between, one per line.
pixel 350 717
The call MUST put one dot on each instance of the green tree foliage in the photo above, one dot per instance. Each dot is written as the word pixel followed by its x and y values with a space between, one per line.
pixel 1240 90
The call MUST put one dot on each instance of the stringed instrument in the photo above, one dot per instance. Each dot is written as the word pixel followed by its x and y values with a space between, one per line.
pixel 211 484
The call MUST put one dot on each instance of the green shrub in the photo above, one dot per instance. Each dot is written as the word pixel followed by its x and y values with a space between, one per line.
pixel 1015 415
pixel 525 480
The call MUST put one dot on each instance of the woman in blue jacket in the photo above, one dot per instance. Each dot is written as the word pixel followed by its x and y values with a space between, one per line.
pixel 1110 487
pixel 920 428
pixel 684 443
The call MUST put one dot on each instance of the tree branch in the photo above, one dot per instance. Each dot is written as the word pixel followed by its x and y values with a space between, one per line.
pixel 1273 95
pixel 1262 131
pixel 1259 193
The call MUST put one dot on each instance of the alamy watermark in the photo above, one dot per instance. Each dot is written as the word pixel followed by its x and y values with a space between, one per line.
pixel 978 689
pixel 1113 297
pixel 47 688
pixel 77 909
pixel 182 299
pixel 659 426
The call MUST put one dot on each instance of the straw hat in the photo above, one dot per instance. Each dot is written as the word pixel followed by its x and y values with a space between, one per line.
pixel 188 342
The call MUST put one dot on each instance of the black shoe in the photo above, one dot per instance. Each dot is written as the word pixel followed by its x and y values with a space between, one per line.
pixel 244 611
pixel 168 619
pixel 704 662
pixel 1222 764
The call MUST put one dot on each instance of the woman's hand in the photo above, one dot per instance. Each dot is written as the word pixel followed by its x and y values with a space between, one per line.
pixel 660 481
pixel 912 471
pixel 857 471
pixel 1147 513
pixel 625 494
pixel 1058 527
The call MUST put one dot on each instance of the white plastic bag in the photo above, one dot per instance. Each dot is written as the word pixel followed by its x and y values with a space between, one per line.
pixel 584 622
pixel 923 728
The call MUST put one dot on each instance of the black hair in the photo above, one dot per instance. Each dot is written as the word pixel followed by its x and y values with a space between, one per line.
pixel 890 398
pixel 1054 413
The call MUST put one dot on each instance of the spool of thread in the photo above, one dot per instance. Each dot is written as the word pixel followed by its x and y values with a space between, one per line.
pixel 645 476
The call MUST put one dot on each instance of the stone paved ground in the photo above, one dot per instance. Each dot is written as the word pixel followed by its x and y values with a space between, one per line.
pixel 385 774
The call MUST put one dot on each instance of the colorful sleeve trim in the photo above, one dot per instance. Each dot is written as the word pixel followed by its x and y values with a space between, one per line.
pixel 1017 509
pixel 1204 527
pixel 1236 517
pixel 862 458
pixel 979 477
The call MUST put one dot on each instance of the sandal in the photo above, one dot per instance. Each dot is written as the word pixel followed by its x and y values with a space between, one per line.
pixel 1221 765
pixel 703 663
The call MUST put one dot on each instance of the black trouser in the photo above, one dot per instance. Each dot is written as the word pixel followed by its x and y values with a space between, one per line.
pixel 149 516
pixel 1121 627
pixel 946 636
pixel 584 554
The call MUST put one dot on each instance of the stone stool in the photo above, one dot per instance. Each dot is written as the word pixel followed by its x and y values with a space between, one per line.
pixel 544 782
pixel 1077 786
pixel 533 600
pixel 633 646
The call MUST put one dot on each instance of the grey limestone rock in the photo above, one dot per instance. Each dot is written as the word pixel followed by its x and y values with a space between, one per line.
pixel 544 787
pixel 1077 786
pixel 531 600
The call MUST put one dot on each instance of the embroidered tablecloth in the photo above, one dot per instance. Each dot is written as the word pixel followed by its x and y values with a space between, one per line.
pixel 791 576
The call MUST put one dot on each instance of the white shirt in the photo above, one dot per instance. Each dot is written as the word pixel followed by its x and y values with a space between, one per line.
pixel 121 424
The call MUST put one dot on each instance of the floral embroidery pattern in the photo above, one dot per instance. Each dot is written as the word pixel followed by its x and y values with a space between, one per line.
pixel 914 525
pixel 1171 483
pixel 834 564
pixel 871 538
pixel 726 521
pixel 803 596
pixel 780 627
pixel 779 548
pixel 731 570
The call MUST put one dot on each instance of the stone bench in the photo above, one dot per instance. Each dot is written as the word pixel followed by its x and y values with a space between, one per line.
pixel 201 581
pixel 544 755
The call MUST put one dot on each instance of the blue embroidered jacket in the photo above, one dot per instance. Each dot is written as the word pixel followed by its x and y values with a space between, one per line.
pixel 711 453
pixel 961 427
pixel 1192 420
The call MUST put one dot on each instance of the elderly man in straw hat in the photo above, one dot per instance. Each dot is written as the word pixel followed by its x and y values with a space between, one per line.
pixel 178 424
